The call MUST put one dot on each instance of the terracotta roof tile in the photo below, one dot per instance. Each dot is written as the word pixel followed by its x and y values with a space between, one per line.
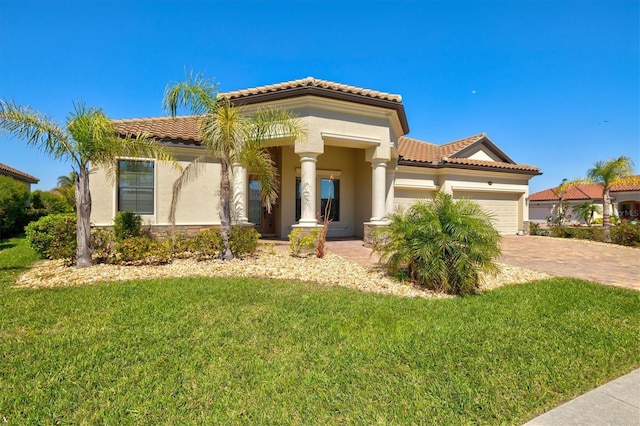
pixel 312 82
pixel 490 164
pixel 413 150
pixel 457 146
pixel 15 173
pixel 183 128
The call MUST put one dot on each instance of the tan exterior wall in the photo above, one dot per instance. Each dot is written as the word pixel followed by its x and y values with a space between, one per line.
pixel 198 203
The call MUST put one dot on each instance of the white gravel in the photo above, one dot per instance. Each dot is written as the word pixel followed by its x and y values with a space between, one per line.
pixel 332 270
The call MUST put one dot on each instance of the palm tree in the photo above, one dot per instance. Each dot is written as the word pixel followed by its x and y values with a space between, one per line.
pixel 232 136
pixel 88 138
pixel 614 171
pixel 67 181
pixel 442 245
pixel 66 189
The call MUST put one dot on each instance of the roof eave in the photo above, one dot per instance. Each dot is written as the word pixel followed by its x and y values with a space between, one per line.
pixel 296 92
pixel 441 165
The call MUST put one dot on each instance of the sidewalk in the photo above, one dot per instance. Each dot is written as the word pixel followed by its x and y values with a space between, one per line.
pixel 615 403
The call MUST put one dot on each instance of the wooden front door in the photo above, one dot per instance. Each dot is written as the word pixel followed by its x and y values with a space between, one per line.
pixel 258 215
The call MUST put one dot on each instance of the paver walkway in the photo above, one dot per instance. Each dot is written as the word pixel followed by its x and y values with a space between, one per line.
pixel 604 263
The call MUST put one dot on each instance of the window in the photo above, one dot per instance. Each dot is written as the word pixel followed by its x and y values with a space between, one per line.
pixel 135 186
pixel 330 189
pixel 298 199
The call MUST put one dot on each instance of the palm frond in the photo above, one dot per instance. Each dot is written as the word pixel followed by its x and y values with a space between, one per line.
pixel 196 93
pixel 36 129
pixel 188 174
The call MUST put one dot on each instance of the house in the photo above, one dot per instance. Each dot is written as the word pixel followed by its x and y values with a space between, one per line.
pixel 22 177
pixel 354 151
pixel 625 201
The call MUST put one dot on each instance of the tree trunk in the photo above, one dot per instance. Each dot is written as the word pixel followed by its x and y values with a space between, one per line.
pixel 606 206
pixel 83 221
pixel 225 210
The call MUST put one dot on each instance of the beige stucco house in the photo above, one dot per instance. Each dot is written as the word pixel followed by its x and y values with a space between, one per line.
pixel 354 150
pixel 625 202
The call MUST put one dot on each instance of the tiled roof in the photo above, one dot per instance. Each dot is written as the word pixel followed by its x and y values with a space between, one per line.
pixel 419 152
pixel 312 82
pixel 490 164
pixel 584 191
pixel 183 128
pixel 17 174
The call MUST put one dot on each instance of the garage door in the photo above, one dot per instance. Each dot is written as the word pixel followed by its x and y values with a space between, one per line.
pixel 503 208
pixel 405 198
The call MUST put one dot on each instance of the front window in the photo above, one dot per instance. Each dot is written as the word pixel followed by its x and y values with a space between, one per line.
pixel 330 189
pixel 135 186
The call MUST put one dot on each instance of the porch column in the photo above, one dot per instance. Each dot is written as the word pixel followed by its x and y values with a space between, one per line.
pixel 378 190
pixel 239 203
pixel 391 192
pixel 308 196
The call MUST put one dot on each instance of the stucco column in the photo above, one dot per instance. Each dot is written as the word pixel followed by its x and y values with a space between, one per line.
pixel 391 193
pixel 240 200
pixel 308 194
pixel 378 190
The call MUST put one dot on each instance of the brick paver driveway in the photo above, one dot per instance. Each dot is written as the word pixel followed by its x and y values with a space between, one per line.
pixel 605 263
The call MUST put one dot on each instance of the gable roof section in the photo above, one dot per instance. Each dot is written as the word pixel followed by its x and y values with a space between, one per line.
pixel 587 191
pixel 414 152
pixel 17 174
pixel 322 88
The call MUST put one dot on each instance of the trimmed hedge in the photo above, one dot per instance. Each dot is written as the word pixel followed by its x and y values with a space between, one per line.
pixel 626 234
pixel 53 236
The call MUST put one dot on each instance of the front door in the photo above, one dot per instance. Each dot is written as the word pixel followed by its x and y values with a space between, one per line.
pixel 258 215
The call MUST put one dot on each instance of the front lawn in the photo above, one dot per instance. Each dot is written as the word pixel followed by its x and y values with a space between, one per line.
pixel 231 351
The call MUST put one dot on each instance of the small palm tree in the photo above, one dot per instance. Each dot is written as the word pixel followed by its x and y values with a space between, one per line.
pixel 66 189
pixel 608 173
pixel 442 245
pixel 231 136
pixel 88 138
pixel 586 211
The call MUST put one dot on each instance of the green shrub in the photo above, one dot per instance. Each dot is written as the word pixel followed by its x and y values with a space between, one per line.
pixel 579 232
pixel 50 203
pixel 442 245
pixel 302 242
pixel 208 243
pixel 14 197
pixel 103 244
pixel 180 245
pixel 626 234
pixel 53 236
pixel 142 251
pixel 127 225
pixel 243 240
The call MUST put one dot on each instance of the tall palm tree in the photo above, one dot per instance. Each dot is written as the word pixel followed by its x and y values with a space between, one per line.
pixel 88 138
pixel 614 171
pixel 232 136
pixel 67 181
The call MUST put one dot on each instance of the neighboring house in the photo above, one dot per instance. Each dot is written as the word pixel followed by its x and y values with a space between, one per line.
pixel 23 177
pixel 625 201
pixel 354 150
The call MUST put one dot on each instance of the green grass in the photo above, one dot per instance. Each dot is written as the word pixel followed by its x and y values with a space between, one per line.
pixel 236 351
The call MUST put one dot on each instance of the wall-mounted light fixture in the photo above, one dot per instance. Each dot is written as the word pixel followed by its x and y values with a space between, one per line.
pixel 490 183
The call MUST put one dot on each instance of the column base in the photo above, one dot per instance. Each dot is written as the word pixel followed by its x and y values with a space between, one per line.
pixel 369 233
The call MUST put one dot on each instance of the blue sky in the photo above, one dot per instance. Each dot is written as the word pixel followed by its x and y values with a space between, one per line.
pixel 554 84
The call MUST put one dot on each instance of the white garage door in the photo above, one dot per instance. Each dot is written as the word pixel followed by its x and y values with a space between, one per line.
pixel 503 208
pixel 405 198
